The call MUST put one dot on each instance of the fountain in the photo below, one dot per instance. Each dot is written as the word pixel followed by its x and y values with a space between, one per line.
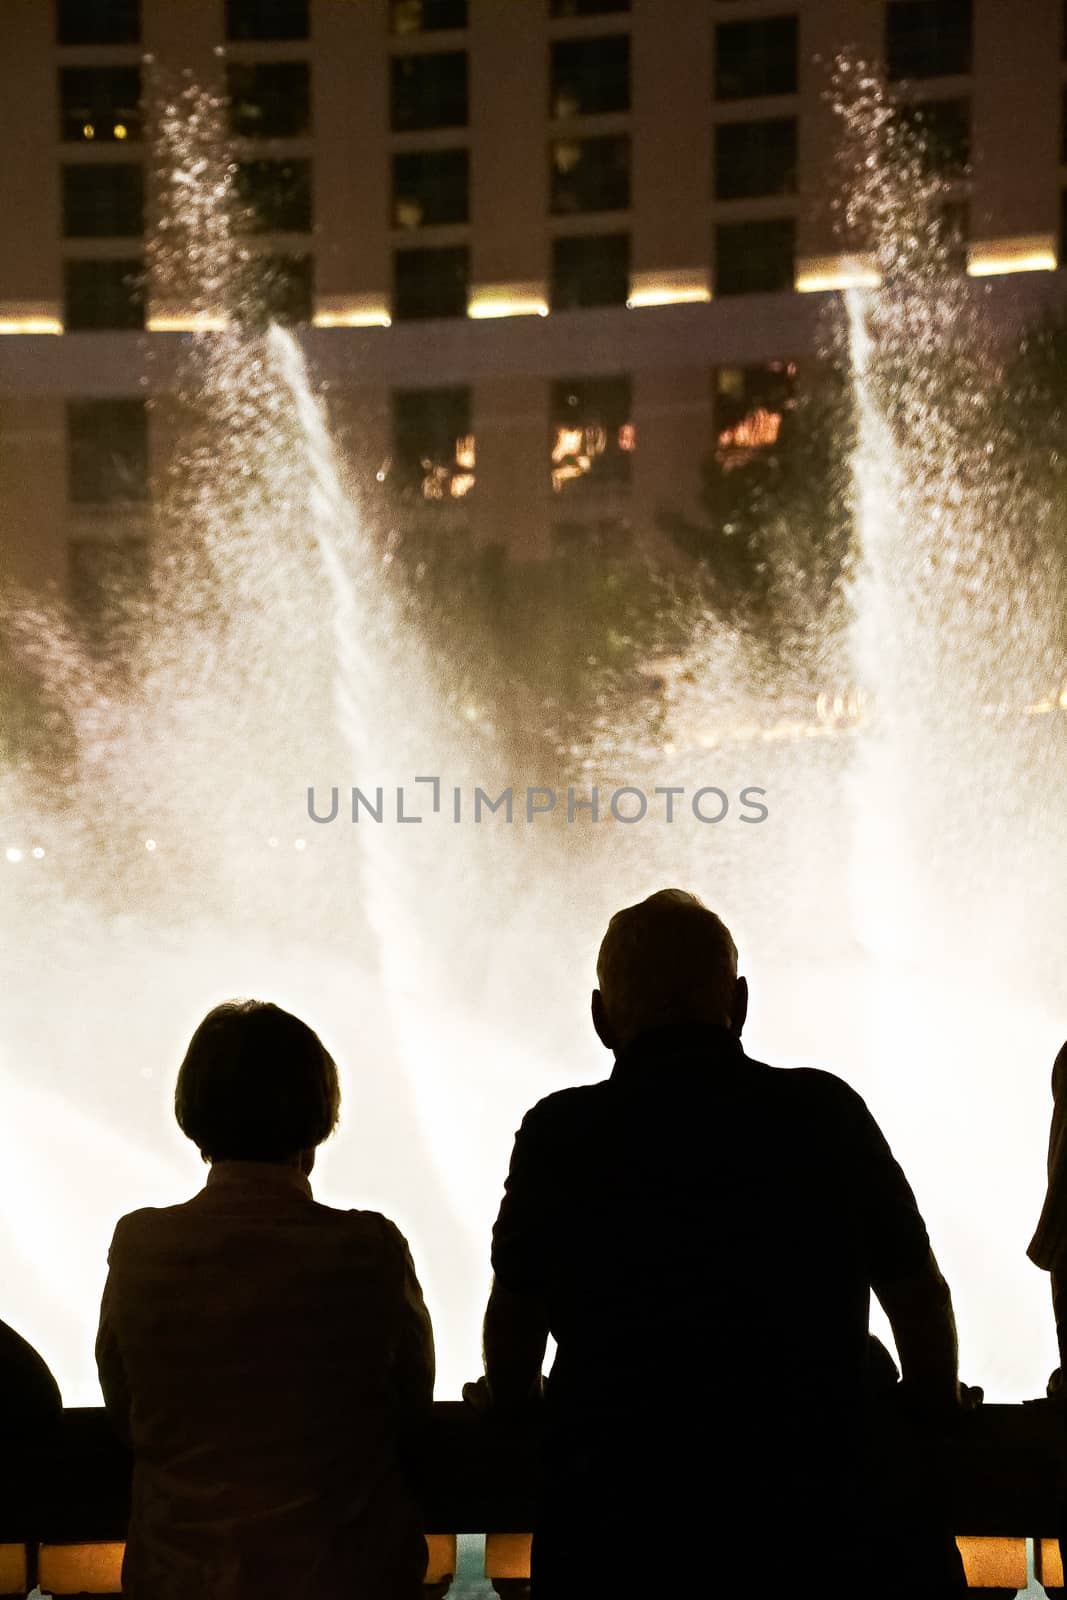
pixel 894 908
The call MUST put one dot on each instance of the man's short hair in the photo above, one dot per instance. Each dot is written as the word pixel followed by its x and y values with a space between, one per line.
pixel 667 960
pixel 257 1084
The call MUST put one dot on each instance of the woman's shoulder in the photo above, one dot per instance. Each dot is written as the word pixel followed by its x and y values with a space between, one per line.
pixel 370 1226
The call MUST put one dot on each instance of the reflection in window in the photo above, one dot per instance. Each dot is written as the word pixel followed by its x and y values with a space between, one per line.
pixel 430 188
pixel 433 443
pixel 753 159
pixel 750 404
pixel 756 58
pixel 107 452
pixel 928 38
pixel 428 91
pixel 275 195
pixel 269 99
pixel 755 257
pixel 427 16
pixel 103 201
pixel 103 294
pixel 593 435
pixel 590 270
pixel 590 77
pixel 590 174
pixel 98 21
pixel 942 132
pixel 100 104
pixel 266 19
pixel 276 288
pixel 430 283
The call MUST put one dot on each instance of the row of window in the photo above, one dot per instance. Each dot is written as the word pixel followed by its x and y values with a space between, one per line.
pixel 924 38
pixel 753 160
pixel 586 271
pixel 592 436
pixel 587 77
pixel 87 22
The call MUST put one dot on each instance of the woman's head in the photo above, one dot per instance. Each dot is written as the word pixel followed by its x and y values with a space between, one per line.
pixel 257 1084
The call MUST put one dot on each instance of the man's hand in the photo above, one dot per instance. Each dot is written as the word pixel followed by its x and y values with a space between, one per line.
pixel 924 1404
pixel 477 1396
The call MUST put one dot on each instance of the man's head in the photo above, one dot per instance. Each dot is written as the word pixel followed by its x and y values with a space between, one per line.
pixel 665 961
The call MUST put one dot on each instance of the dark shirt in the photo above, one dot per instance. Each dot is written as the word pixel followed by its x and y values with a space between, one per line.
pixel 705 1230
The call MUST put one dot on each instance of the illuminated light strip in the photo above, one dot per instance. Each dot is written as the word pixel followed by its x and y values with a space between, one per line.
pixel 30 325
pixel 188 322
pixel 352 319
pixel 992 258
pixel 507 300
pixel 668 289
pixel 829 274
pixel 368 310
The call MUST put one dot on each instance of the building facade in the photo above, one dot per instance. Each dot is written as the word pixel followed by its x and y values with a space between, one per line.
pixel 545 252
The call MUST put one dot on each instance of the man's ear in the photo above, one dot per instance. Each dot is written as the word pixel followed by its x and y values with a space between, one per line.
pixel 737 1021
pixel 604 1031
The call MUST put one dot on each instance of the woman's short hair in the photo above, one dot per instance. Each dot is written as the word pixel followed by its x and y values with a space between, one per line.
pixel 257 1084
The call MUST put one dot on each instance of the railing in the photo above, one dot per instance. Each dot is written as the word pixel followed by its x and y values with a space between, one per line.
pixel 63 1509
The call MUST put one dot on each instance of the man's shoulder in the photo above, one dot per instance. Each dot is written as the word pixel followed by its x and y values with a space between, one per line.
pixel 568 1107
pixel 807 1082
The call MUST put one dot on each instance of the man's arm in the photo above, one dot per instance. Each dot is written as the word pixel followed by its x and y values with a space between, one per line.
pixel 919 1308
pixel 514 1340
pixel 904 1273
pixel 516 1327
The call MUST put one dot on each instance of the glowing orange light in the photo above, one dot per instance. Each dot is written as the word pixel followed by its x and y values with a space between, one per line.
pixel 754 432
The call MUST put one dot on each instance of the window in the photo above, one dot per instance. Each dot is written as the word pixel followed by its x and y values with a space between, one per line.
pixel 749 406
pixel 941 129
pixel 427 16
pixel 266 19
pixel 276 195
pixel 103 294
pixel 433 444
pixel 589 174
pixel 757 58
pixel 950 233
pixel 430 283
pixel 98 21
pixel 590 77
pixel 277 288
pixel 429 91
pixel 928 38
pixel 755 158
pixel 100 103
pixel 269 99
pixel 585 8
pixel 107 452
pixel 103 201
pixel 593 434
pixel 755 257
pixel 109 583
pixel 430 188
pixel 590 271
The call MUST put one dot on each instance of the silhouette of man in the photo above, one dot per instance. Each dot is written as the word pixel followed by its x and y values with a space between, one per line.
pixel 700 1234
